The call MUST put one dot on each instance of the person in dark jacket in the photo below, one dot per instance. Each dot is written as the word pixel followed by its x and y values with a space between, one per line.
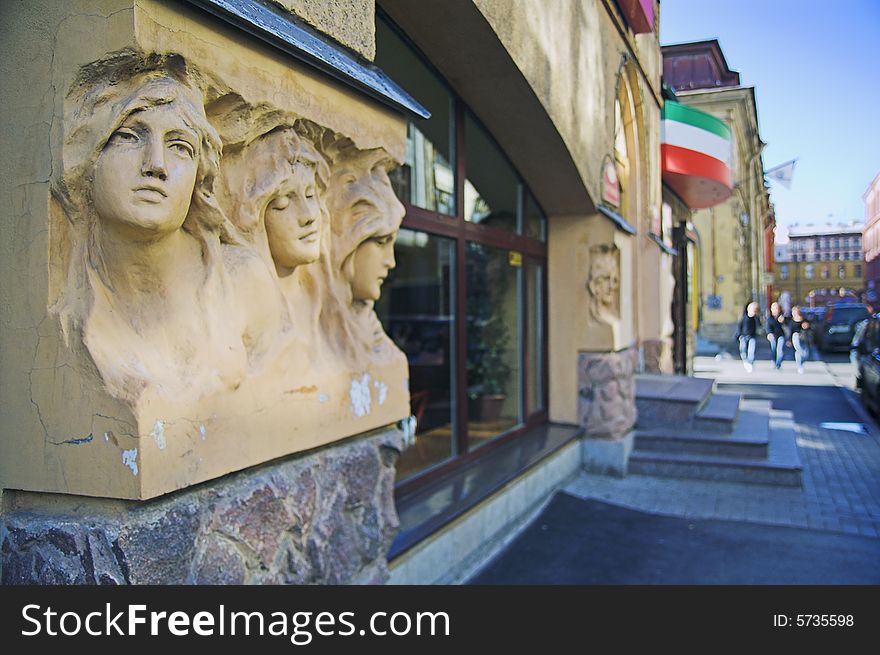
pixel 797 328
pixel 776 334
pixel 747 333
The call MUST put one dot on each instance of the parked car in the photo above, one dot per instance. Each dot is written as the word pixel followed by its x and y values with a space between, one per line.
pixel 867 356
pixel 858 335
pixel 815 315
pixel 838 327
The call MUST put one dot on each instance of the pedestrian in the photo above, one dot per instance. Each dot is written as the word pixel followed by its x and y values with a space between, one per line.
pixel 776 334
pixel 785 303
pixel 746 334
pixel 797 328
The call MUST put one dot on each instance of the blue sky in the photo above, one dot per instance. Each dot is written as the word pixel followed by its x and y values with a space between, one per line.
pixel 815 66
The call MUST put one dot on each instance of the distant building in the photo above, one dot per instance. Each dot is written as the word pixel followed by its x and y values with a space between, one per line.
pixel 820 261
pixel 871 241
pixel 735 236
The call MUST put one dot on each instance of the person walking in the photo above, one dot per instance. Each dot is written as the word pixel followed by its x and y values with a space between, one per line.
pixel 797 328
pixel 746 333
pixel 776 334
pixel 785 303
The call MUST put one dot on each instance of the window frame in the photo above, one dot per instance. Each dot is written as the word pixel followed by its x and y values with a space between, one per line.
pixel 461 231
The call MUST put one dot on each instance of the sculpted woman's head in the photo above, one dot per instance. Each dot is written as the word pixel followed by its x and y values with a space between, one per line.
pixel 273 186
pixel 141 157
pixel 366 217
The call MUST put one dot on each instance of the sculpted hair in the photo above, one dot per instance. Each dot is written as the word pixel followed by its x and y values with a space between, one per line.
pixel 104 95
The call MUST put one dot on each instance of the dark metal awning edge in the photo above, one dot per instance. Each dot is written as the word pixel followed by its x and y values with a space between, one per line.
pixel 621 223
pixel 663 246
pixel 269 24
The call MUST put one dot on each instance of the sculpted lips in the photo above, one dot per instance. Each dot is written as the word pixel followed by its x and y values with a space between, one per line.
pixel 149 193
pixel 311 237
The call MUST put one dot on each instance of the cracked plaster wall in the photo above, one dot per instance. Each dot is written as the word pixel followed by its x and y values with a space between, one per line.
pixel 60 432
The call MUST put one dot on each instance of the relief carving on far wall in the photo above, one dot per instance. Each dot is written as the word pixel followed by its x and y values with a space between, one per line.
pixel 221 257
pixel 604 283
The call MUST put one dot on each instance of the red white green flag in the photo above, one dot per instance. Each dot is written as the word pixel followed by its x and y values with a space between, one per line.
pixel 695 150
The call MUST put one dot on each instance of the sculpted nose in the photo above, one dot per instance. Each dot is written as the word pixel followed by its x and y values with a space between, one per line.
pixel 154 161
pixel 390 261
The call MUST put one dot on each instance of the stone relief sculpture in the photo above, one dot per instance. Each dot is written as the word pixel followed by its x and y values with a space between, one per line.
pixel 220 259
pixel 148 290
pixel 365 218
pixel 272 186
pixel 604 283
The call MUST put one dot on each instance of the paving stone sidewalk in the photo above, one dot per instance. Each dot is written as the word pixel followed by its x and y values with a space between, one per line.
pixel 841 491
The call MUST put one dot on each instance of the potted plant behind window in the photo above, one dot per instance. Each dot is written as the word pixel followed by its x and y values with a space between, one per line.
pixel 488 335
pixel 489 373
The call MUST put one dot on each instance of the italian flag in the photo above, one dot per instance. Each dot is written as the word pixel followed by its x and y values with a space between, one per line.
pixel 695 148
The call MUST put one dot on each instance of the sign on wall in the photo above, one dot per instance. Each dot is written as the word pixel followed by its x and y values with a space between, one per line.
pixel 610 184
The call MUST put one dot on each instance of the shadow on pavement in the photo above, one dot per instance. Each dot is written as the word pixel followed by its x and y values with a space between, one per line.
pixel 809 404
pixel 577 541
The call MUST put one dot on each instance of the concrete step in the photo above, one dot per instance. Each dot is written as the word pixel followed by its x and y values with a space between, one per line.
pixel 700 444
pixel 780 467
pixel 748 439
pixel 720 413
pixel 670 399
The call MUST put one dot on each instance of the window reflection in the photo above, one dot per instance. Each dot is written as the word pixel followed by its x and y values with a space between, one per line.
pixel 416 311
pixel 493 343
pixel 534 222
pixel 534 274
pixel 491 190
pixel 427 177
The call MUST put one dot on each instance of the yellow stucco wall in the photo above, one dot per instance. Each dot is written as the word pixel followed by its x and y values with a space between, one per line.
pixel 351 23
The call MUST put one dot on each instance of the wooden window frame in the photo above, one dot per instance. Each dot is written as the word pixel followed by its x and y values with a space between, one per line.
pixel 455 227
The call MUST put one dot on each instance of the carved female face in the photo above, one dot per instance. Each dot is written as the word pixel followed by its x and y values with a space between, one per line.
pixel 372 261
pixel 366 216
pixel 145 175
pixel 605 281
pixel 608 284
pixel 293 220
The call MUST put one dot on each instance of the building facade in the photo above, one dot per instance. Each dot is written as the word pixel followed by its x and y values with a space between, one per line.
pixel 410 311
pixel 818 262
pixel 734 241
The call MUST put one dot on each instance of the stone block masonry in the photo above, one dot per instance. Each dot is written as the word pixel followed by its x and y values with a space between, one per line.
pixel 606 396
pixel 324 517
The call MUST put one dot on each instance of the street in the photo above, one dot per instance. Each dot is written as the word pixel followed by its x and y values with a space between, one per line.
pixel 646 530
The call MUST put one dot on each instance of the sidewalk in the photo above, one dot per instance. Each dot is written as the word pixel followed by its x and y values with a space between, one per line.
pixel 840 497
pixel 841 469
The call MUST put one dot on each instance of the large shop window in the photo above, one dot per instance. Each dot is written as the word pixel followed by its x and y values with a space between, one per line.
pixel 466 302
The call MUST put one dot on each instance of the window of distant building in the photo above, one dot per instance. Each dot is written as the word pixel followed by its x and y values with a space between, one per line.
pixel 783 272
pixel 825 273
pixel 857 270
pixel 466 302
pixel 808 271
pixel 841 271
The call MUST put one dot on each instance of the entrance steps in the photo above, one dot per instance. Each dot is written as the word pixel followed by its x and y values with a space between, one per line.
pixel 690 430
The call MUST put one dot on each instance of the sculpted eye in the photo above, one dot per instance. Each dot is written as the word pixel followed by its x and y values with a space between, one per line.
pixel 280 203
pixel 123 135
pixel 183 149
pixel 310 192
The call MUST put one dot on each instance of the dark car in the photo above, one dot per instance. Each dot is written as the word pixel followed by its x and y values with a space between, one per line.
pixel 867 360
pixel 838 326
pixel 815 315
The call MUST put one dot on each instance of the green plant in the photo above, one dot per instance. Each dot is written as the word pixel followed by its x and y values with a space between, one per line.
pixel 488 370
pixel 488 335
